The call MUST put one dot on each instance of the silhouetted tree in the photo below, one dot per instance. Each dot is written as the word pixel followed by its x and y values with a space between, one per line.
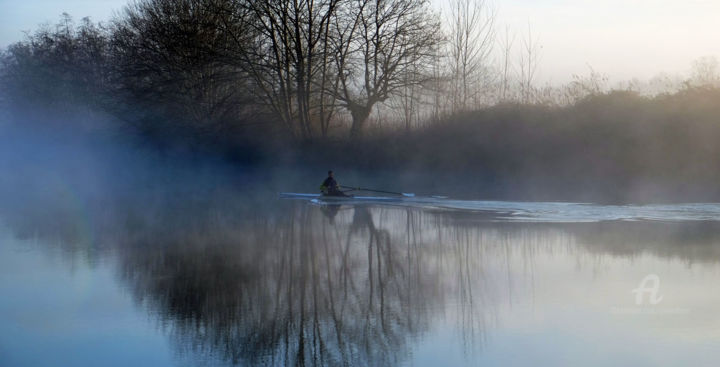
pixel 285 50
pixel 61 68
pixel 528 64
pixel 506 45
pixel 705 72
pixel 381 47
pixel 170 62
pixel 472 35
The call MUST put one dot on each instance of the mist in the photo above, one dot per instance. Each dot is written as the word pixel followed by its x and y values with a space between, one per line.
pixel 434 123
pixel 166 197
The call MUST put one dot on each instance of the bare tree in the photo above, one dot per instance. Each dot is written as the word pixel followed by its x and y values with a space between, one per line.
pixel 60 68
pixel 437 87
pixel 583 86
pixel 705 71
pixel 506 45
pixel 381 47
pixel 286 53
pixel 528 64
pixel 472 35
pixel 328 81
pixel 406 103
pixel 169 58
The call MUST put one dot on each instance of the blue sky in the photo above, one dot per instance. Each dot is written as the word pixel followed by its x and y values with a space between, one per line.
pixel 22 15
pixel 620 38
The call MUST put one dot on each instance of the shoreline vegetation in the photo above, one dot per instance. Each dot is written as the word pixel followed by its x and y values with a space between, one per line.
pixel 371 89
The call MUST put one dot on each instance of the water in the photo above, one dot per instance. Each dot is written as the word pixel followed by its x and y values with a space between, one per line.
pixel 535 211
pixel 222 277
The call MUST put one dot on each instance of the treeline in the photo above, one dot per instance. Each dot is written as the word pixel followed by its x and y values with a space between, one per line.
pixel 286 83
pixel 306 69
pixel 228 70
pixel 614 147
pixel 214 67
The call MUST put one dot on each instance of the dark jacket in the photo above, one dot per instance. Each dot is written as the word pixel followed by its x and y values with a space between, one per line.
pixel 330 183
pixel 330 186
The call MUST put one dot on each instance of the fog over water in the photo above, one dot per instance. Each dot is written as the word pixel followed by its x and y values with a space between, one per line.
pixel 109 257
pixel 527 183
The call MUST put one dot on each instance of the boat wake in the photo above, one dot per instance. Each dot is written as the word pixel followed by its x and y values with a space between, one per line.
pixel 559 212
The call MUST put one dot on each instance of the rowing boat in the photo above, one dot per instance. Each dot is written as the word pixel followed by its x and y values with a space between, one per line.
pixel 333 198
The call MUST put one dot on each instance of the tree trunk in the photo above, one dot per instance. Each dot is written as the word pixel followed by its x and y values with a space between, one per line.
pixel 360 115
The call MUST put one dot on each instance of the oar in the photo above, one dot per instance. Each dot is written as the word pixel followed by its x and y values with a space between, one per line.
pixel 408 194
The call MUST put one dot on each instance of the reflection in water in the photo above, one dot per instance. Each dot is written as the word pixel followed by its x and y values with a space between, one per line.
pixel 295 284
pixel 291 289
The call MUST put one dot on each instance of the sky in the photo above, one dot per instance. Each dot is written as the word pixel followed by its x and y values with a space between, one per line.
pixel 17 16
pixel 622 39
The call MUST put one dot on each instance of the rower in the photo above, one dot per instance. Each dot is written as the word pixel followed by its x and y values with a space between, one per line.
pixel 330 187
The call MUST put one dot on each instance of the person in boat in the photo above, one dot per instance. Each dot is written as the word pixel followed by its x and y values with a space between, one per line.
pixel 330 187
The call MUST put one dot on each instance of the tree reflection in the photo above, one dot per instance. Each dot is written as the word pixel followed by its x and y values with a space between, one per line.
pixel 297 284
pixel 293 290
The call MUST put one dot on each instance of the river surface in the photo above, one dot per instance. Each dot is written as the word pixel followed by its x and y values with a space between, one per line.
pixel 212 278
